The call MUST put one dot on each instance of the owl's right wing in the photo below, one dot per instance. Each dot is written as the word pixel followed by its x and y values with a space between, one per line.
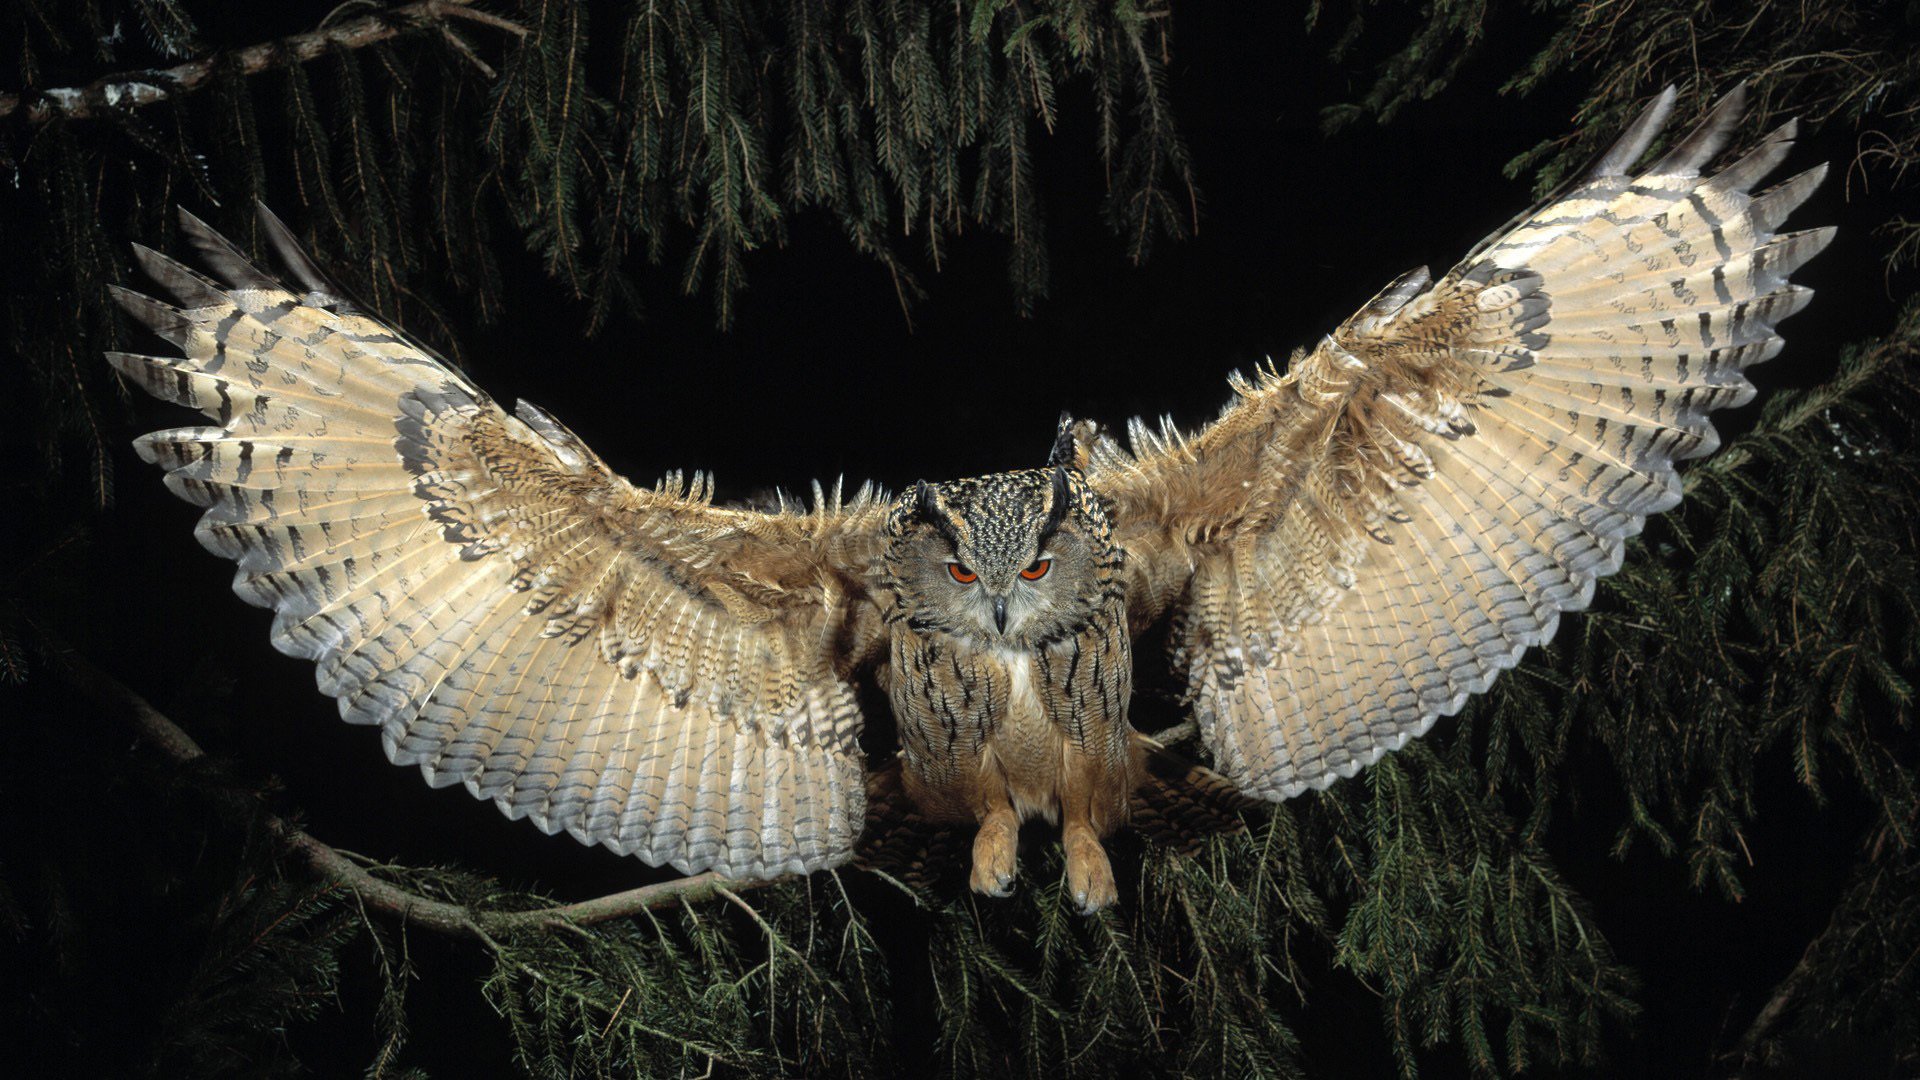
pixel 639 668
pixel 1355 548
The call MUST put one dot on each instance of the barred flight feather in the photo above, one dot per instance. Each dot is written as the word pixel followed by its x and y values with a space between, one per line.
pixel 637 668
pixel 1373 538
pixel 1350 551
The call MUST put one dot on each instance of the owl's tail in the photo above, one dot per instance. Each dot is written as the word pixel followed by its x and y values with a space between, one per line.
pixel 1177 803
pixel 902 842
pixel 1180 803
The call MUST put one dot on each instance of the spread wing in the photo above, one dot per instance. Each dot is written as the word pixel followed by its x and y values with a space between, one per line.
pixel 1353 549
pixel 637 667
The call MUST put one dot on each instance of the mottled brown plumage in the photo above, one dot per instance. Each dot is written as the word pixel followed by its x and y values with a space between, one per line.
pixel 1011 689
pixel 1354 547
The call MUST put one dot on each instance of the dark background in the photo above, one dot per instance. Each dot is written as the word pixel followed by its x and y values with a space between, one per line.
pixel 821 376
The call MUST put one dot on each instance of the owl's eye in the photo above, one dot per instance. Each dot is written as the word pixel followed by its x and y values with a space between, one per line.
pixel 1038 570
pixel 961 574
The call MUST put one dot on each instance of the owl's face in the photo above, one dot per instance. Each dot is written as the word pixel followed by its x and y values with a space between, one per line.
pixel 1014 560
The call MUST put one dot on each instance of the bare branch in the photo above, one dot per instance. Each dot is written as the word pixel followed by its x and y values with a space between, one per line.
pixel 133 89
pixel 440 916
pixel 1747 1053
pixel 1178 733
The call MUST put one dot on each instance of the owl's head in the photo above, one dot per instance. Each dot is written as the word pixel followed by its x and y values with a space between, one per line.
pixel 1014 560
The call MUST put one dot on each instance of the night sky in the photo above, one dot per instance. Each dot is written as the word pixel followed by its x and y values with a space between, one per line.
pixel 821 376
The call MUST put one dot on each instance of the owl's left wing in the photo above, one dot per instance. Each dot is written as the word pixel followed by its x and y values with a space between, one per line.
pixel 639 668
pixel 1353 549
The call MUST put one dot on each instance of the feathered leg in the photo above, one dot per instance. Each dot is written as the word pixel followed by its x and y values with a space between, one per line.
pixel 996 848
pixel 1083 799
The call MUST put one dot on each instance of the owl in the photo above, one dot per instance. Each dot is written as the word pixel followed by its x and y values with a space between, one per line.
pixel 1356 546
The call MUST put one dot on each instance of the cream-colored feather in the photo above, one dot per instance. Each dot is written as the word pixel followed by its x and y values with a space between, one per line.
pixel 638 668
pixel 1373 537
pixel 1350 551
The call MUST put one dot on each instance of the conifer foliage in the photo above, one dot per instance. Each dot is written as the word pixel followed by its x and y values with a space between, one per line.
pixel 621 139
pixel 1755 658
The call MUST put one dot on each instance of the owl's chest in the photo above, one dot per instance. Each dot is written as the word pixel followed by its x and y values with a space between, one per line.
pixel 955 699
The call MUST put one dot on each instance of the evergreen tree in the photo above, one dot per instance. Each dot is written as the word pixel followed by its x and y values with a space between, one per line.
pixel 523 174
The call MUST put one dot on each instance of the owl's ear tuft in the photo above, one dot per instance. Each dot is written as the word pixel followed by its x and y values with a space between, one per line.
pixel 1073 442
pixel 1057 508
pixel 1065 449
pixel 926 505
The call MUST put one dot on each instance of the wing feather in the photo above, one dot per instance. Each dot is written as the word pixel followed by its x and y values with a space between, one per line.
pixel 640 669
pixel 1358 546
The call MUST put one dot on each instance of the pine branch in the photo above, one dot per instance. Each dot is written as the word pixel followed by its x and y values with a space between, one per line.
pixel 1852 380
pixel 133 89
pixel 331 865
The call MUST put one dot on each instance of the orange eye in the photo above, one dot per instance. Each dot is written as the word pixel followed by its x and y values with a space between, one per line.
pixel 961 574
pixel 1038 570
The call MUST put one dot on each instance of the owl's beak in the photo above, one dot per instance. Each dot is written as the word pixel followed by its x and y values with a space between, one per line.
pixel 1000 613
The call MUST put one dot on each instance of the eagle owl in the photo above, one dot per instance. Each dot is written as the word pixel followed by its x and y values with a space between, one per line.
pixel 1352 549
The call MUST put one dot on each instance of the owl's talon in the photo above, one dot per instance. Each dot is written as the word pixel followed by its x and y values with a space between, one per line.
pixel 995 857
pixel 1089 874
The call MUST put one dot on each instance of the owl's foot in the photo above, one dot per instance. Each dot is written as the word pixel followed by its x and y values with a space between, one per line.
pixel 1089 874
pixel 995 854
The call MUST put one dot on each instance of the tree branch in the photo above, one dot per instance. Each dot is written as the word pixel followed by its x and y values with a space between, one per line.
pixel 440 916
pixel 133 89
pixel 1894 351
pixel 1746 1053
